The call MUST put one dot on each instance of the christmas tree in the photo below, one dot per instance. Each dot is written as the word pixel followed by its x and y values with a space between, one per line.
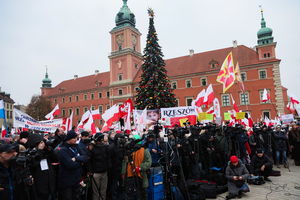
pixel 154 88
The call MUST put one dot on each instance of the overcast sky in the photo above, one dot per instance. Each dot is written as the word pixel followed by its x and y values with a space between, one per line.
pixel 72 36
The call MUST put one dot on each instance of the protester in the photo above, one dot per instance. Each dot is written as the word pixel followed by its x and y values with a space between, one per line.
pixel 261 165
pixel 7 181
pixel 237 174
pixel 99 165
pixel 134 170
pixel 70 170
pixel 280 146
pixel 294 139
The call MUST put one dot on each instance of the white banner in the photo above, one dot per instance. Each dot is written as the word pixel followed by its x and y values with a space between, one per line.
pixel 23 120
pixel 178 111
pixel 287 118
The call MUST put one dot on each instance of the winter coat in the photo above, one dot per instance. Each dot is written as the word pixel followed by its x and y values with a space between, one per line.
pixel 154 156
pixel 258 162
pixel 116 155
pixel 7 182
pixel 280 141
pixel 146 164
pixel 44 180
pixel 69 171
pixel 100 158
pixel 231 171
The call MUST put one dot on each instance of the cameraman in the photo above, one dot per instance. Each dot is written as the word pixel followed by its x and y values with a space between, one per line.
pixel 154 149
pixel 7 183
pixel 41 168
pixel 70 170
pixel 99 165
pixel 134 170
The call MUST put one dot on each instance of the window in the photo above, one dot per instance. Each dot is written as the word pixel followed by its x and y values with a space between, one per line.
pixel 7 106
pixel 188 83
pixel 101 121
pixel 107 107
pixel 244 76
pixel 137 89
pixel 107 94
pixel 70 111
pixel 85 109
pixel 120 77
pixel 225 100
pixel 203 81
pixel 77 98
pixel 63 112
pixel 136 66
pixel 266 114
pixel 92 96
pixel 174 85
pixel 11 114
pixel 63 99
pixel 244 98
pixel 77 111
pixel 7 113
pixel 93 107
pixel 262 74
pixel 10 106
pixel 55 101
pixel 120 92
pixel 261 94
pixel 177 102
pixel 100 95
pixel 269 55
pixel 85 97
pixel 189 101
pixel 100 109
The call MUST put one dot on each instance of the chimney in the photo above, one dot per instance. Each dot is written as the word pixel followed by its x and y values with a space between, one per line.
pixel 96 72
pixel 234 43
pixel 75 77
pixel 191 52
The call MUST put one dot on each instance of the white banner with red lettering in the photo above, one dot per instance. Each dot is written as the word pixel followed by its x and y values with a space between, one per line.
pixel 22 120
pixel 176 114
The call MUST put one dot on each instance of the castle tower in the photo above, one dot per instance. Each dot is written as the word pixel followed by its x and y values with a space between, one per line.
pixel 46 84
pixel 125 57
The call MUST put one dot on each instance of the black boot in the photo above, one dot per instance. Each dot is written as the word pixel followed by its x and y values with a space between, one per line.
pixel 230 196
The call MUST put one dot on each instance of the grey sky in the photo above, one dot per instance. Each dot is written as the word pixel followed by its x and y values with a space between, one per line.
pixel 72 36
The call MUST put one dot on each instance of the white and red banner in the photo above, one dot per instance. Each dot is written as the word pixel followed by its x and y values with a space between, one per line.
pixel 23 120
pixel 3 131
pixel 110 116
pixel 178 113
pixel 266 96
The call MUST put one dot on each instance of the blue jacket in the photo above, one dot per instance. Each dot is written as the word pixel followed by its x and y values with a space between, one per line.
pixel 69 174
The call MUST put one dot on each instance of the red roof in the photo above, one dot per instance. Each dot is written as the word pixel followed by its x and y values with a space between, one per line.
pixel 197 63
pixel 82 83
pixel 200 62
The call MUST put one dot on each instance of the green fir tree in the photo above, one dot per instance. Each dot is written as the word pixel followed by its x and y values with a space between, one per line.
pixel 154 88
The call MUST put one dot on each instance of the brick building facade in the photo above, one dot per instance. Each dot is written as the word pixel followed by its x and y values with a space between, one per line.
pixel 188 74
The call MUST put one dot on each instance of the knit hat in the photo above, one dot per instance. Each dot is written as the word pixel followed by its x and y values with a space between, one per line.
pixel 71 135
pixel 259 151
pixel 234 159
pixel 8 148
pixel 34 139
pixel 24 134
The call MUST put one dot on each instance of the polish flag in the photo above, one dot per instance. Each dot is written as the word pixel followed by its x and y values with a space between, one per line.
pixel 84 118
pixel 3 131
pixel 53 113
pixel 199 101
pixel 209 95
pixel 266 96
pixel 290 106
pixel 89 125
pixel 267 121
pixel 236 109
pixel 69 122
pixel 95 114
pixel 217 109
pixel 125 112
pixel 110 116
pixel 210 110
pixel 294 101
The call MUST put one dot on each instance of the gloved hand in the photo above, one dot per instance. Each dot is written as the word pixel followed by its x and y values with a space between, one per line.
pixel 137 170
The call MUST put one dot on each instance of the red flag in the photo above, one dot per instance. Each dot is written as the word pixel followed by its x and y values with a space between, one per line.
pixel 209 95
pixel 236 109
pixel 290 106
pixel 53 113
pixel 110 116
pixel 226 75
pixel 96 114
pixel 294 101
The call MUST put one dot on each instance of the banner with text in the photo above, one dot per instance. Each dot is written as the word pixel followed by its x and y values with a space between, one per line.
pixel 180 115
pixel 23 120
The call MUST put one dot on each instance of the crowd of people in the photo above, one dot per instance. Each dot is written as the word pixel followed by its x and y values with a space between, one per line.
pixel 117 165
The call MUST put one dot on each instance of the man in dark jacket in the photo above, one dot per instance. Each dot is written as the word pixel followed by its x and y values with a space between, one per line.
pixel 280 144
pixel 70 170
pixel 99 165
pixel 237 174
pixel 7 183
pixel 261 165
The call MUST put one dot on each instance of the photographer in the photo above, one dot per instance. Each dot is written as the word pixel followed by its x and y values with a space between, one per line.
pixel 70 170
pixel 261 165
pixel 154 149
pixel 41 168
pixel 237 174
pixel 7 182
pixel 134 168
pixel 99 165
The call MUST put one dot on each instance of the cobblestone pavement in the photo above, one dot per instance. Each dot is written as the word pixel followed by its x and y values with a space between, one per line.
pixel 284 187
